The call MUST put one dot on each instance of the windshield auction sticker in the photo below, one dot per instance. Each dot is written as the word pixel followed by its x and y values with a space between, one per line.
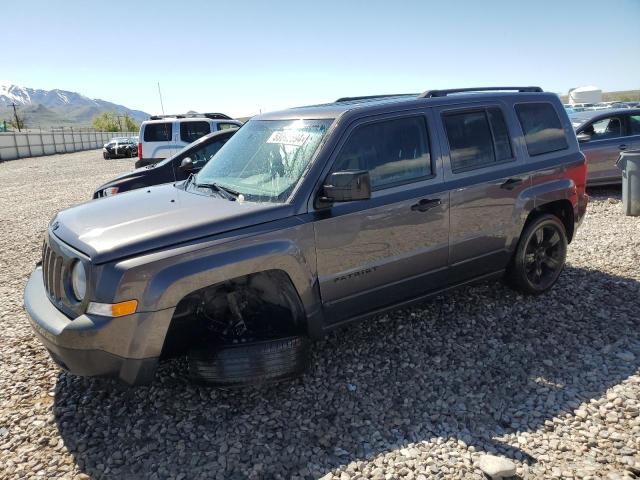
pixel 288 137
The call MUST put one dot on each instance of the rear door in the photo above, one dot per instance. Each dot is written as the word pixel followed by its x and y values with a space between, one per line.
pixel 602 150
pixel 482 170
pixel 394 246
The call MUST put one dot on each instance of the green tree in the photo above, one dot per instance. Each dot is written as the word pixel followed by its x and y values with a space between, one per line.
pixel 114 122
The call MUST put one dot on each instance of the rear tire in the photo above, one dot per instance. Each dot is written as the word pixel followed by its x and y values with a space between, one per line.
pixel 540 257
pixel 243 364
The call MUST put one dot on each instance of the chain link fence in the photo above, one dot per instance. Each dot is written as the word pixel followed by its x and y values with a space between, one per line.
pixel 35 143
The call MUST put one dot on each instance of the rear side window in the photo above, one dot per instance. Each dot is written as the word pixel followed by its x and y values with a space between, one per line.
pixel 157 132
pixel 634 124
pixel 543 132
pixel 394 151
pixel 477 139
pixel 225 126
pixel 192 131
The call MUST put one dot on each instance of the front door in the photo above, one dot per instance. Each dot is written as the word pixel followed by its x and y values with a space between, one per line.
pixel 602 150
pixel 392 247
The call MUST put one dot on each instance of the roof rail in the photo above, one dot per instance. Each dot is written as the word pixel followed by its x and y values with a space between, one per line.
pixel 373 97
pixel 213 116
pixel 444 93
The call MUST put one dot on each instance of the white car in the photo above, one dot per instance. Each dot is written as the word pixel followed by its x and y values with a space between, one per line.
pixel 163 136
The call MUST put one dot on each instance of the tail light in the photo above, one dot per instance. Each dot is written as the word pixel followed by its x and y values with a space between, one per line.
pixel 139 151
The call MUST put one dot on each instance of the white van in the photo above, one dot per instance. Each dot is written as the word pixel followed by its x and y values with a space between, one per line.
pixel 164 135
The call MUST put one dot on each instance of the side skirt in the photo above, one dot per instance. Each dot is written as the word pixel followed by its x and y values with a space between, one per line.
pixel 414 301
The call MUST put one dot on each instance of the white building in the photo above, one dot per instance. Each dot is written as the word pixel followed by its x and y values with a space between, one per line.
pixel 588 94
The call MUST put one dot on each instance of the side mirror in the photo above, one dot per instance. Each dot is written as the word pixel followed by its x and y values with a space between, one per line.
pixel 346 186
pixel 186 165
pixel 583 137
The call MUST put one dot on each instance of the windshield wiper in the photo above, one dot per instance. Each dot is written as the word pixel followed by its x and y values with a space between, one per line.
pixel 225 191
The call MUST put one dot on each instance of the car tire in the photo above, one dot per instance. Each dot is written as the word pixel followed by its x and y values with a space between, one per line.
pixel 540 256
pixel 253 363
pixel 106 156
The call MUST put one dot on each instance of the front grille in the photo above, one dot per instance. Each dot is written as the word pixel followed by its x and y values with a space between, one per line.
pixel 52 272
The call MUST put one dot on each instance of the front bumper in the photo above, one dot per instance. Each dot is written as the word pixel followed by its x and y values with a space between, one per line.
pixel 126 347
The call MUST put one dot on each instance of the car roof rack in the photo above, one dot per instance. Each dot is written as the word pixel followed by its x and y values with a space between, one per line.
pixel 374 97
pixel 213 116
pixel 444 93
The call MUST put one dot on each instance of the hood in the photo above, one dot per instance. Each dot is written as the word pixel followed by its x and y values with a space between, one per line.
pixel 150 218
pixel 133 174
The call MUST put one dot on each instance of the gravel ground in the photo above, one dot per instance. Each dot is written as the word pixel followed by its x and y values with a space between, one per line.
pixel 552 383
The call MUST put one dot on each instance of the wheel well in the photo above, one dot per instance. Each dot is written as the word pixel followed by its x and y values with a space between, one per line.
pixel 267 297
pixel 561 209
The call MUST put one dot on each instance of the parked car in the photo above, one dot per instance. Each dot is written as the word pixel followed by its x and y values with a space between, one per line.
pixel 308 219
pixel 173 169
pixel 163 136
pixel 120 147
pixel 603 134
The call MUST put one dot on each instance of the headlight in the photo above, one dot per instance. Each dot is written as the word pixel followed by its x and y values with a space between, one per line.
pixel 78 280
pixel 107 192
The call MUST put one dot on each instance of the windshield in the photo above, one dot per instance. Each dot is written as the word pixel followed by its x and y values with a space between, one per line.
pixel 265 160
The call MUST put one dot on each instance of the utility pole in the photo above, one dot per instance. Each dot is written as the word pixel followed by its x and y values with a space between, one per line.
pixel 15 114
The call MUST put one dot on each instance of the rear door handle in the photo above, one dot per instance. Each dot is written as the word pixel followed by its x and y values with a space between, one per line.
pixel 426 204
pixel 510 183
pixel 622 147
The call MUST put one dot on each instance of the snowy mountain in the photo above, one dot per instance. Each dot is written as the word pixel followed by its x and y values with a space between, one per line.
pixel 57 107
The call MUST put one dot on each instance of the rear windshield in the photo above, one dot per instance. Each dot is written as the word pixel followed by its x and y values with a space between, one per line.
pixel 543 132
pixel 157 132
pixel 192 131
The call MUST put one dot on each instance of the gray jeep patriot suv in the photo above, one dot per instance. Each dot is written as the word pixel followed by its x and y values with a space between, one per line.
pixel 307 219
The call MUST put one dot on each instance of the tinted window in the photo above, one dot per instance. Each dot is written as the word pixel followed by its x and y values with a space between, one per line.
pixel 224 126
pixel 191 131
pixel 394 151
pixel 157 132
pixel 634 124
pixel 606 128
pixel 543 132
pixel 500 134
pixel 470 140
pixel 200 156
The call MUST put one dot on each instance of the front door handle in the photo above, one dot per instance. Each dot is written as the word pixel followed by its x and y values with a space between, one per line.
pixel 426 204
pixel 510 183
pixel 622 147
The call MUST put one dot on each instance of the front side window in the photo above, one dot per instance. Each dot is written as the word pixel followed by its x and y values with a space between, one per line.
pixel 200 156
pixel 157 132
pixel 192 131
pixel 265 159
pixel 543 132
pixel 393 151
pixel 606 128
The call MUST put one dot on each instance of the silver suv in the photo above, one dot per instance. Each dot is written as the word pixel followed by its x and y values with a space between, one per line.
pixel 305 220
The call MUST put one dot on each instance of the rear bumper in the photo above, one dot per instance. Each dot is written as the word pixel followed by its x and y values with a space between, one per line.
pixel 581 208
pixel 127 348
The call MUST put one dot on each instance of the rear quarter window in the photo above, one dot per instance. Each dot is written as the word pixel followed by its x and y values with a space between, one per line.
pixel 192 131
pixel 157 132
pixel 543 132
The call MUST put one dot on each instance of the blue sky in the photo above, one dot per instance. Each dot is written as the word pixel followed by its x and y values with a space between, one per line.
pixel 240 57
